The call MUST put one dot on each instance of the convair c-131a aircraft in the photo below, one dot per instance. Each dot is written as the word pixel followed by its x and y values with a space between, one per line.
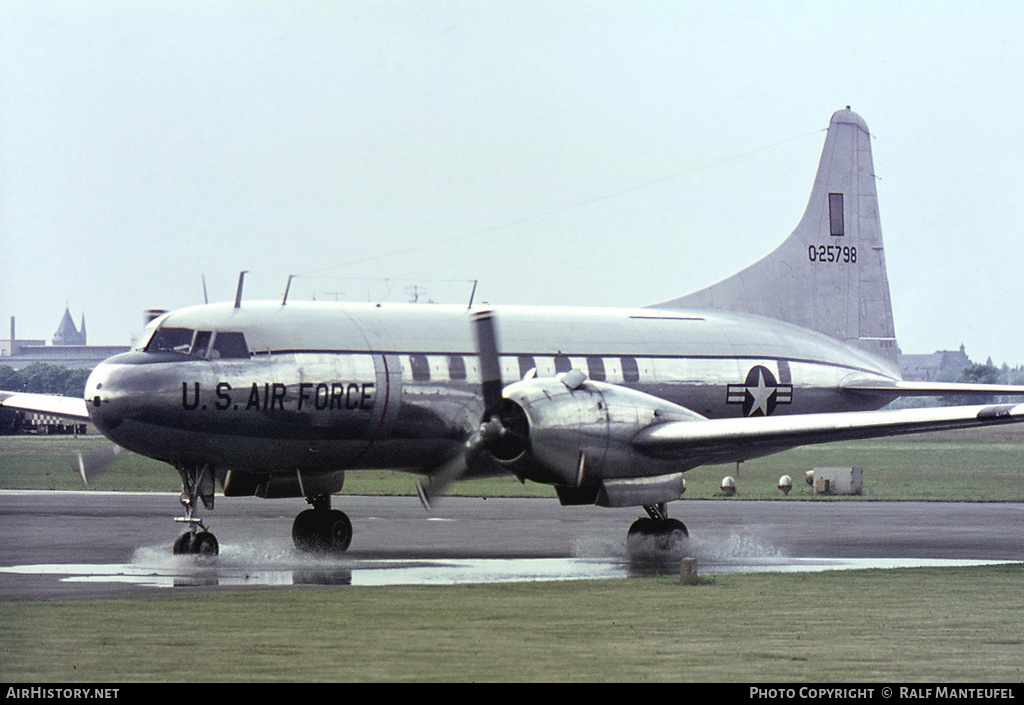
pixel 610 406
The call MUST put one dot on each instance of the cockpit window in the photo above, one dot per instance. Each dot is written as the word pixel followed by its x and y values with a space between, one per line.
pixel 226 345
pixel 229 345
pixel 171 340
pixel 147 335
pixel 200 343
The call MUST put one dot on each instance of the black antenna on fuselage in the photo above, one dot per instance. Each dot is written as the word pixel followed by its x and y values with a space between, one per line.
pixel 238 294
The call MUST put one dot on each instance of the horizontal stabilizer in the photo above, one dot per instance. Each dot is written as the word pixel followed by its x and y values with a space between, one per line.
pixel 930 389
pixel 68 407
pixel 752 437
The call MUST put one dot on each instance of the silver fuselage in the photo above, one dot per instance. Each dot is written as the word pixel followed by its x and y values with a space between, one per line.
pixel 324 387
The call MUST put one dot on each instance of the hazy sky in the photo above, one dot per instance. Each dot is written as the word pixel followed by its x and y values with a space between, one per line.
pixel 584 153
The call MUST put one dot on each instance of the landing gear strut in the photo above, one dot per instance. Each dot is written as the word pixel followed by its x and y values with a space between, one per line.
pixel 196 483
pixel 322 529
pixel 657 536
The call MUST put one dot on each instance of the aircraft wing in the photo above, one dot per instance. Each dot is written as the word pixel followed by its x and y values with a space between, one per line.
pixel 68 407
pixel 752 437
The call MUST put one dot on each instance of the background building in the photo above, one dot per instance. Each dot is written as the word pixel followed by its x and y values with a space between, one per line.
pixel 941 365
pixel 68 348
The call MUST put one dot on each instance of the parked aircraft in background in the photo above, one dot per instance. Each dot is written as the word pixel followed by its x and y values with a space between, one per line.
pixel 610 406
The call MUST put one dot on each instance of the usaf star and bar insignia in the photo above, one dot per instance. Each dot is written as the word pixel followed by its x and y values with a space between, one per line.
pixel 760 393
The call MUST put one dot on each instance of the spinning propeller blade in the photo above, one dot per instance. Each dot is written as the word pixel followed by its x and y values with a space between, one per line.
pixel 93 464
pixel 491 426
pixel 490 368
pixel 450 472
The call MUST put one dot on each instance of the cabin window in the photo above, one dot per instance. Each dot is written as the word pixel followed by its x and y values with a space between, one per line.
pixel 229 345
pixel 835 214
pixel 630 370
pixel 562 363
pixel 595 368
pixel 785 374
pixel 171 340
pixel 526 364
pixel 420 368
pixel 456 367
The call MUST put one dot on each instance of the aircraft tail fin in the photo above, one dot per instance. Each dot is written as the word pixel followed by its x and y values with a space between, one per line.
pixel 829 274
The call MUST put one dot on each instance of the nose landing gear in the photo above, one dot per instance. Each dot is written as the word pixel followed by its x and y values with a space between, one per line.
pixel 196 482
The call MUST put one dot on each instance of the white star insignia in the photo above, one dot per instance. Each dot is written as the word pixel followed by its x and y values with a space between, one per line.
pixel 761 395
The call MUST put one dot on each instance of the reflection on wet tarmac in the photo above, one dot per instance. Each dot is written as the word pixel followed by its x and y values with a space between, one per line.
pixel 389 572
pixel 246 566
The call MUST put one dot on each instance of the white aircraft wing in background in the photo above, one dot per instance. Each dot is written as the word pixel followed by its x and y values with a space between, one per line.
pixel 68 407
pixel 733 440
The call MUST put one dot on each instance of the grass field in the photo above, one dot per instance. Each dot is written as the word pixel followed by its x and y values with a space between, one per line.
pixel 978 465
pixel 914 625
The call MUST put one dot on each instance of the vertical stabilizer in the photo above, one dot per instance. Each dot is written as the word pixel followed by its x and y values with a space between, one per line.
pixel 829 274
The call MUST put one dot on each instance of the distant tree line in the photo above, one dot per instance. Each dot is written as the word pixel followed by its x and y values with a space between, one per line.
pixel 44 378
pixel 988 373
pixel 974 373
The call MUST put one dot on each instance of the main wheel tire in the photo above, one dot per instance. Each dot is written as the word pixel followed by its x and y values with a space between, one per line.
pixel 650 539
pixel 674 526
pixel 304 530
pixel 336 532
pixel 671 537
pixel 638 539
pixel 322 531
pixel 642 527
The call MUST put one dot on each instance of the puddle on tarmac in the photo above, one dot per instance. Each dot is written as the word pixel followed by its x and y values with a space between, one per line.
pixel 281 565
pixel 190 572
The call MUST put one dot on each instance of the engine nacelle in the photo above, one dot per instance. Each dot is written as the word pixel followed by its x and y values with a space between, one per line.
pixel 577 432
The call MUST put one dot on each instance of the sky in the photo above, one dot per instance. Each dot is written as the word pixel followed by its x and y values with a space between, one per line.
pixel 603 153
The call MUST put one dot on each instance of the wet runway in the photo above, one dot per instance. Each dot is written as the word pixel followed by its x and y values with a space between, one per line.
pixel 56 545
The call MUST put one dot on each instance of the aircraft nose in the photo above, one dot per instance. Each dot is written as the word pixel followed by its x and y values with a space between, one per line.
pixel 131 395
pixel 112 391
pixel 98 397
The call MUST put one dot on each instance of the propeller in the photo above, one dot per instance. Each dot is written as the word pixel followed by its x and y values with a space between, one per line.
pixel 452 471
pixel 494 434
pixel 95 463
pixel 490 367
pixel 503 431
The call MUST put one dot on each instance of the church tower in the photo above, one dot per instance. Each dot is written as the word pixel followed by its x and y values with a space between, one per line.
pixel 67 334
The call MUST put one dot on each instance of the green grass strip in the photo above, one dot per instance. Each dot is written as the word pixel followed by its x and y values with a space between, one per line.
pixel 935 625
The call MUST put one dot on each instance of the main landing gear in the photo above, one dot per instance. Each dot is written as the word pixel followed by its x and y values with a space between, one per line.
pixel 657 537
pixel 322 529
pixel 196 483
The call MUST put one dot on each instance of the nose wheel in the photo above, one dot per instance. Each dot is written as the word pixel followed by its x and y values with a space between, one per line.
pixel 199 543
